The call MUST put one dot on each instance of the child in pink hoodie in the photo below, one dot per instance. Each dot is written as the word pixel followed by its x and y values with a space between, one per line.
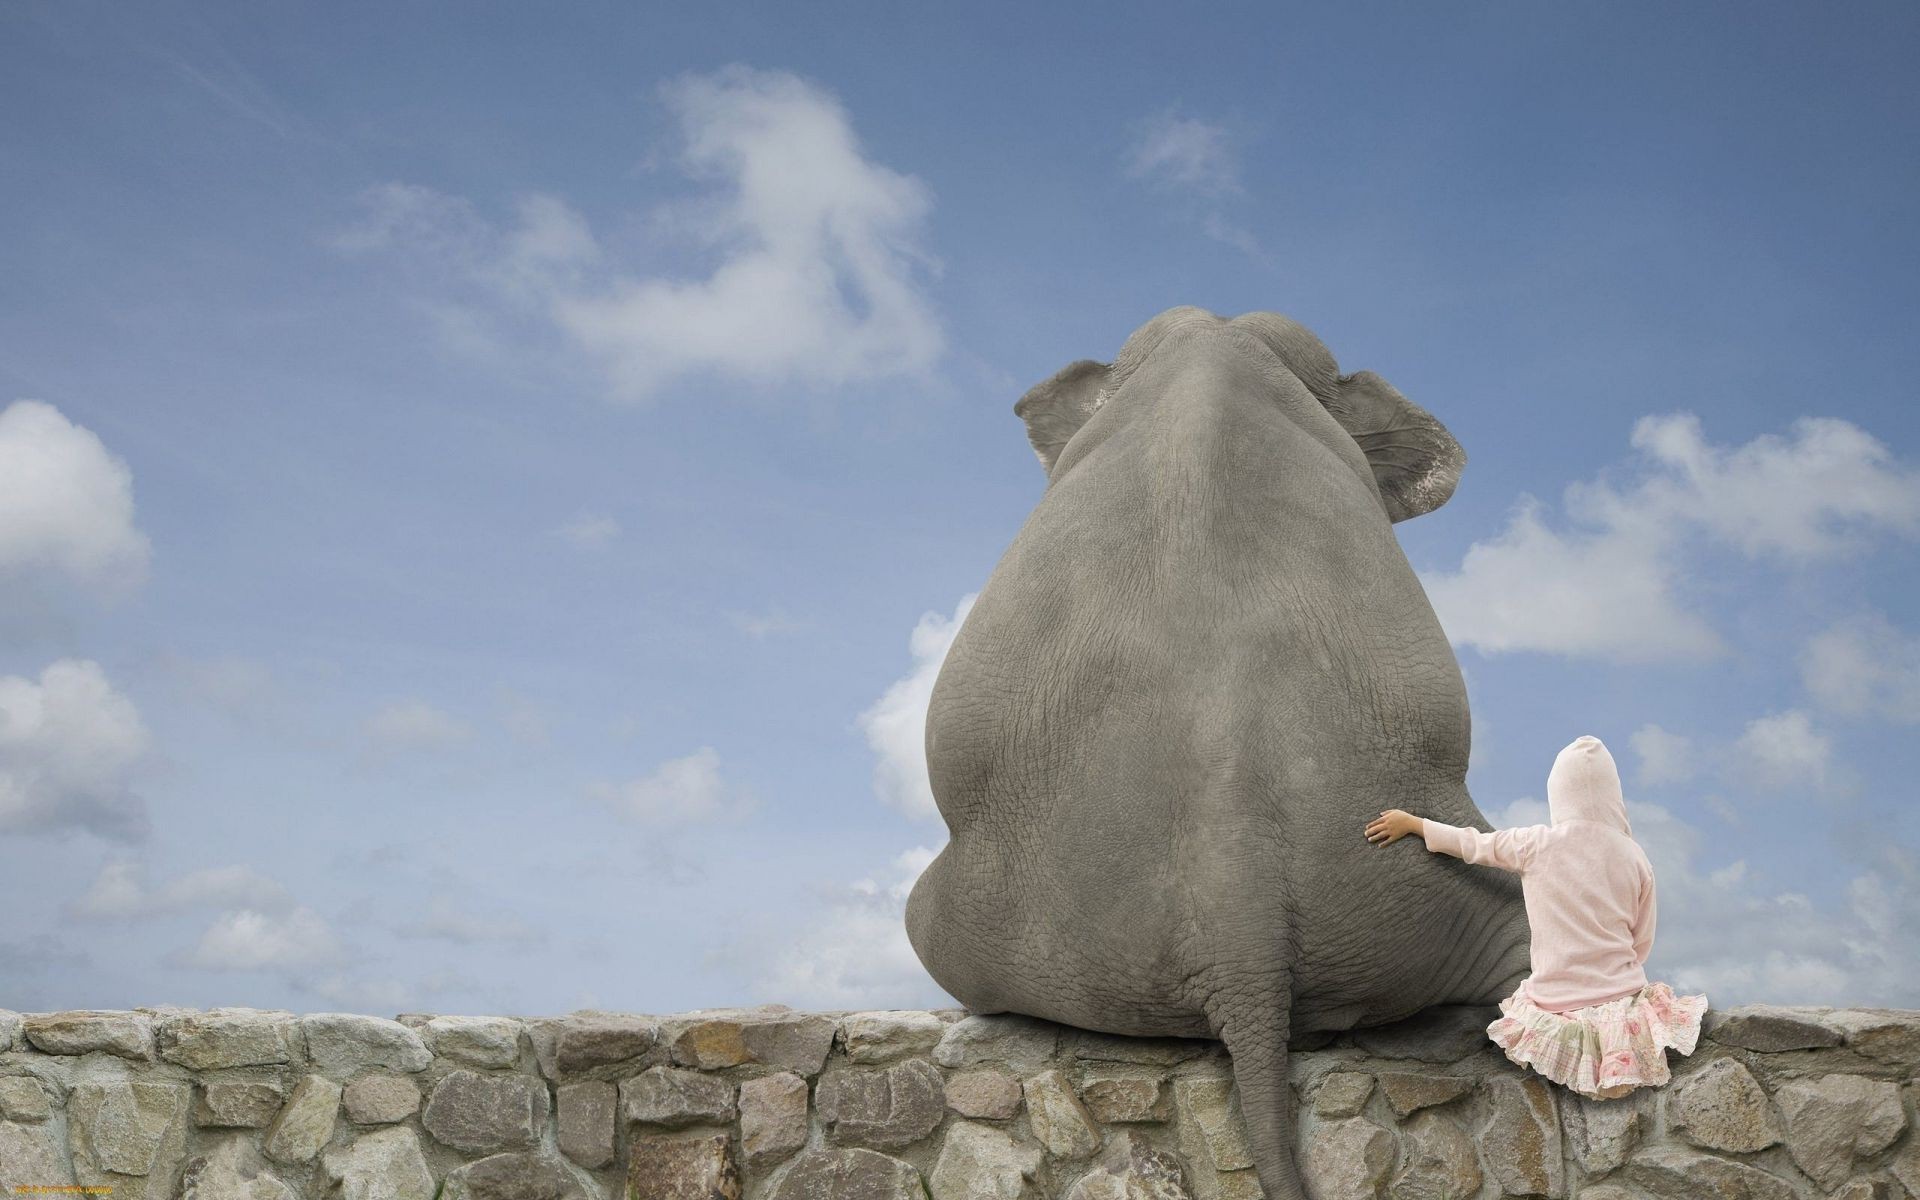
pixel 1586 1017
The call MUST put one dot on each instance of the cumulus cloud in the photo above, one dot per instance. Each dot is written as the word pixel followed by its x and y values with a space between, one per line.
pixel 1664 757
pixel 403 726
pixel 855 954
pixel 69 747
pixel 896 724
pixel 247 939
pixel 680 791
pixel 1864 665
pixel 66 508
pixel 1782 750
pixel 817 250
pixel 121 892
pixel 1612 584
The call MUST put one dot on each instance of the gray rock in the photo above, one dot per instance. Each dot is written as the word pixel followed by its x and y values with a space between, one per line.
pixel 341 1044
pixel 520 1175
pixel 9 1029
pixel 475 1041
pixel 1885 1034
pixel 1906 1166
pixel 84 1031
pixel 1009 1038
pixel 226 1037
pixel 1408 1093
pixel 240 1105
pixel 1212 1133
pixel 672 1098
pixel 120 1126
pixel 770 1034
pixel 23 1098
pixel 1342 1094
pixel 1672 1173
pixel 586 1121
pixel 1523 1139
pixel 1722 1107
pixel 1443 1033
pixel 1060 1122
pixel 1132 1168
pixel 386 1164
pixel 31 1156
pixel 1834 1119
pixel 232 1169
pixel 1769 1028
pixel 1603 1133
pixel 1118 1099
pixel 382 1099
pixel 1347 1159
pixel 881 1037
pixel 987 1093
pixel 773 1118
pixel 980 1162
pixel 848 1175
pixel 1868 1189
pixel 682 1167
pixel 1440 1163
pixel 881 1108
pixel 306 1123
pixel 594 1045
pixel 486 1114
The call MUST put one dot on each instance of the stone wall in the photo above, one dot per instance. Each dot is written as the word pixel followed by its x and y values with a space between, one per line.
pixel 773 1104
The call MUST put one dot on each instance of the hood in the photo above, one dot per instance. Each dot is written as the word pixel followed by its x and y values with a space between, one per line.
pixel 1584 785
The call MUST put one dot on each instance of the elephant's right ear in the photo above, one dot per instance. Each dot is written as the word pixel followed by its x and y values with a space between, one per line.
pixel 1055 410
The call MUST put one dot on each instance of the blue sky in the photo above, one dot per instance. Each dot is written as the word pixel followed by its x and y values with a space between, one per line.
pixel 484 490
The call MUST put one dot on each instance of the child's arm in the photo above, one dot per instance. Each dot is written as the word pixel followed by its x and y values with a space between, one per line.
pixel 1643 923
pixel 1508 849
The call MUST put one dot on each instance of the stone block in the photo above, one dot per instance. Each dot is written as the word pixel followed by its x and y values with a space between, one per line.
pixel 238 1105
pixel 1060 1122
pixel 306 1123
pixel 1722 1107
pixel 486 1114
pixel 773 1119
pixel 1342 1094
pixel 586 1121
pixel 128 1035
pixel 386 1164
pixel 1409 1092
pixel 1211 1131
pixel 339 1045
pixel 988 1094
pixel 381 1099
pixel 850 1175
pixel 1673 1173
pixel 594 1045
pixel 672 1098
pixel 521 1175
pixel 1010 1038
pixel 1832 1120
pixel 682 1167
pixel 232 1169
pixel 1116 1099
pixel 882 1037
pixel 1346 1159
pixel 882 1109
pixel 1522 1141
pixel 1440 1163
pixel 1769 1028
pixel 227 1037
pixel 23 1098
pixel 980 1162
pixel 475 1041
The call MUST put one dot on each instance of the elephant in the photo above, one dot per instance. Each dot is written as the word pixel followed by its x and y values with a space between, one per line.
pixel 1203 663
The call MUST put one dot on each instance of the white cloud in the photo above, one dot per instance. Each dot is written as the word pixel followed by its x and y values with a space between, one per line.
pixel 408 725
pixel 896 723
pixel 1864 664
pixel 247 940
pixel 818 252
pixel 1184 152
pixel 121 892
pixel 589 530
pixel 69 746
pixel 1664 757
pixel 681 791
pixel 66 507
pixel 1611 586
pixel 524 720
pixel 761 625
pixel 1782 750
pixel 446 921
pixel 856 955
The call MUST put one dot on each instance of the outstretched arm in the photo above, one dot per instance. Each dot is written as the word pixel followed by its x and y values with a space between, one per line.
pixel 1508 849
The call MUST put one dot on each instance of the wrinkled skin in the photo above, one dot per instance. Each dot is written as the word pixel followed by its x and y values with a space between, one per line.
pixel 1201 667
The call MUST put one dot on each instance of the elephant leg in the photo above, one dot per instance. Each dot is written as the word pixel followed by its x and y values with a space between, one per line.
pixel 1253 1024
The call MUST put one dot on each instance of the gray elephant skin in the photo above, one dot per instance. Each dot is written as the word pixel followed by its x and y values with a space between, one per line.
pixel 1201 667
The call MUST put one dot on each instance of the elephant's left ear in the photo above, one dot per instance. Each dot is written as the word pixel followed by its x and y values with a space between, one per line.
pixel 1415 460
pixel 1056 409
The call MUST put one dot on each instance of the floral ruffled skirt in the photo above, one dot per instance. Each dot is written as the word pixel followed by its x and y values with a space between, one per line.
pixel 1604 1050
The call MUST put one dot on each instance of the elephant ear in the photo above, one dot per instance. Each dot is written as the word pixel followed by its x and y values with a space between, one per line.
pixel 1415 461
pixel 1055 410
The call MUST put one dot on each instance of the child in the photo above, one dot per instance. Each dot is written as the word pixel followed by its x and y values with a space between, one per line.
pixel 1586 1017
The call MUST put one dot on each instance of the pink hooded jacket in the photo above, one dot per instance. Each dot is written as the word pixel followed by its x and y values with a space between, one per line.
pixel 1587 884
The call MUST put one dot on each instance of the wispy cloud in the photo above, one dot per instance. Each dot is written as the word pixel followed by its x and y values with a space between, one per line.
pixel 1611 585
pixel 1196 161
pixel 854 954
pixel 820 253
pixel 588 531
pixel 406 726
pixel 680 791
pixel 121 892
pixel 896 724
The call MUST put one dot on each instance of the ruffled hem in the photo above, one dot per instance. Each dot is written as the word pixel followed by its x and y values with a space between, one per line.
pixel 1605 1050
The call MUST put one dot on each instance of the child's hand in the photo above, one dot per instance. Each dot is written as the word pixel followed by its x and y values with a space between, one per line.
pixel 1390 826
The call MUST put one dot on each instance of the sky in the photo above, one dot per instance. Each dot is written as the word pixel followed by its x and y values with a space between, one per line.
pixel 485 490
